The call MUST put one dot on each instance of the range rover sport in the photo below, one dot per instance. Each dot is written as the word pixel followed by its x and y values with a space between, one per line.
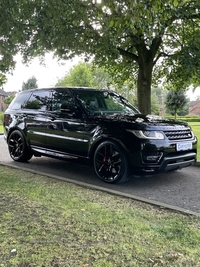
pixel 98 126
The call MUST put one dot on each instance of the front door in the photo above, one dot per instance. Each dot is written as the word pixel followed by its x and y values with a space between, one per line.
pixel 65 127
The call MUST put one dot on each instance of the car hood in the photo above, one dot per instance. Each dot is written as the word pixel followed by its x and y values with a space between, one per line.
pixel 139 121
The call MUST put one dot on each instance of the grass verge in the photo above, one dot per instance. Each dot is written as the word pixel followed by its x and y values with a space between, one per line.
pixel 196 130
pixel 1 128
pixel 50 223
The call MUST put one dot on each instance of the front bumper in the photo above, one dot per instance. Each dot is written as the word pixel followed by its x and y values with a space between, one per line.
pixel 170 163
pixel 160 157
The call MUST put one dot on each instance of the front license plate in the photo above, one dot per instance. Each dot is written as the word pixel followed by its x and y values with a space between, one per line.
pixel 183 146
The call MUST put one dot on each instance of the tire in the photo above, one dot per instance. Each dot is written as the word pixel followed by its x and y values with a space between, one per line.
pixel 18 148
pixel 110 163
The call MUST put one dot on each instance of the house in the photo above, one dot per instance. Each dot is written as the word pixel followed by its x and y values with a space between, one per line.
pixel 3 95
pixel 194 108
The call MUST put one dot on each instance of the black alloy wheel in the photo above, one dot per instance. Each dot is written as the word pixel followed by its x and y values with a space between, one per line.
pixel 18 148
pixel 110 163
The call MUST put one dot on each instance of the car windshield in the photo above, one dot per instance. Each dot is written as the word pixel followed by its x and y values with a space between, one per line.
pixel 104 102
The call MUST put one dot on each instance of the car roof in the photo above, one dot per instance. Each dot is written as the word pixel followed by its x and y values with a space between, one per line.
pixel 73 88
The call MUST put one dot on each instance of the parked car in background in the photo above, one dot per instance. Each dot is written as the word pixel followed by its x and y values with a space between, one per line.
pixel 99 127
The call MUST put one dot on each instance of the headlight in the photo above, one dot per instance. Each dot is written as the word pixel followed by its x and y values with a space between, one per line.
pixel 148 134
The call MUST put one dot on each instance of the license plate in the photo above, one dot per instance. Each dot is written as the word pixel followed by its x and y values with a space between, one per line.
pixel 183 146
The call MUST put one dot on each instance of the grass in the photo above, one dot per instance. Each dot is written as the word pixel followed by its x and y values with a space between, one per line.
pixel 196 130
pixel 1 128
pixel 50 223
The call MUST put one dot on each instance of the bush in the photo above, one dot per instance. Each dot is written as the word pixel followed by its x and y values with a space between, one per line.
pixel 1 117
pixel 186 118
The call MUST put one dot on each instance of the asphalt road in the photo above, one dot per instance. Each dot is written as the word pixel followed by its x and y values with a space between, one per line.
pixel 179 190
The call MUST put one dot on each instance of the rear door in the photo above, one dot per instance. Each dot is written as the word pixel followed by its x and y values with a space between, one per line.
pixel 34 111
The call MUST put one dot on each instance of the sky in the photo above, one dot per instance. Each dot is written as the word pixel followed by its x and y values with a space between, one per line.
pixel 193 95
pixel 48 75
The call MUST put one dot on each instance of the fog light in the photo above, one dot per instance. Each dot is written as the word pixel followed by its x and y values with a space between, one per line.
pixel 152 157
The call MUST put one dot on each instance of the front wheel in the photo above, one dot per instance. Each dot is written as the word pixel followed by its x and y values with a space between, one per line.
pixel 18 148
pixel 110 163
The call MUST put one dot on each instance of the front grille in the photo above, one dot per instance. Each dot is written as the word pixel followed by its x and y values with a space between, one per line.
pixel 178 134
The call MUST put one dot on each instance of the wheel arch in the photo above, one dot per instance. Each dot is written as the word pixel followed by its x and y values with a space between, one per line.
pixel 11 130
pixel 111 139
pixel 17 146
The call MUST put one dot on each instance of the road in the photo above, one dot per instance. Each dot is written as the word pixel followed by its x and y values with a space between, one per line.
pixel 180 189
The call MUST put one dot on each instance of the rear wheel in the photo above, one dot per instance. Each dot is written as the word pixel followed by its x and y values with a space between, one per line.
pixel 18 148
pixel 110 163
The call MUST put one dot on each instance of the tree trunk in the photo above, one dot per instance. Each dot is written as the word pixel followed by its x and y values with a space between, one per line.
pixel 145 62
pixel 144 87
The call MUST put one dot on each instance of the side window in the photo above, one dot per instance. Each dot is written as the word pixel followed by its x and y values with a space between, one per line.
pixel 19 100
pixel 113 104
pixel 39 100
pixel 61 100
pixel 90 100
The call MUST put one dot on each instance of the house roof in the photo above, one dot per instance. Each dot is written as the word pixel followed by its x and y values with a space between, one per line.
pixel 3 93
pixel 193 103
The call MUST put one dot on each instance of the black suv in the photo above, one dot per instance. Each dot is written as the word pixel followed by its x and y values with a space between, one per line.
pixel 98 126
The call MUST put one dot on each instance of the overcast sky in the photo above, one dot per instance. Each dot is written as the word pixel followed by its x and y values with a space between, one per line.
pixel 48 75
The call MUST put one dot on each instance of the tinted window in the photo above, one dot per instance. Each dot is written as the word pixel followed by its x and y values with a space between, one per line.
pixel 19 100
pixel 38 100
pixel 61 100
pixel 104 102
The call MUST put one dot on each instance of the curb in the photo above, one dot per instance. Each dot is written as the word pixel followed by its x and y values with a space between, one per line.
pixel 110 191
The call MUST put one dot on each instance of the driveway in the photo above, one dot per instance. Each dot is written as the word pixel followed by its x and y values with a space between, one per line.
pixel 179 190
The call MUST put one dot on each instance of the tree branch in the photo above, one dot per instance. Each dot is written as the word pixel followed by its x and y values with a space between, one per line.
pixel 127 54
pixel 162 54
pixel 155 45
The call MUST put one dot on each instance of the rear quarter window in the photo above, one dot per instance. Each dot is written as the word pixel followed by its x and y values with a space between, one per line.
pixel 19 100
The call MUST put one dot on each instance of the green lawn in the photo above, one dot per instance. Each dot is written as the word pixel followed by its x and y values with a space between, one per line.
pixel 46 222
pixel 196 129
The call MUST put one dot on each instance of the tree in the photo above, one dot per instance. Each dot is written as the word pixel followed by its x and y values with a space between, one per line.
pixel 9 99
pixel 15 32
pixel 85 74
pixel 79 75
pixel 175 101
pixel 2 79
pixel 155 108
pixel 30 84
pixel 142 40
pixel 129 37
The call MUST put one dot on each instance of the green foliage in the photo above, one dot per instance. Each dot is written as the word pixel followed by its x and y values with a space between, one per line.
pixel 79 75
pixel 85 74
pixel 30 84
pixel 131 37
pixel 2 79
pixel 196 129
pixel 175 101
pixel 1 117
pixel 8 99
pixel 17 23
